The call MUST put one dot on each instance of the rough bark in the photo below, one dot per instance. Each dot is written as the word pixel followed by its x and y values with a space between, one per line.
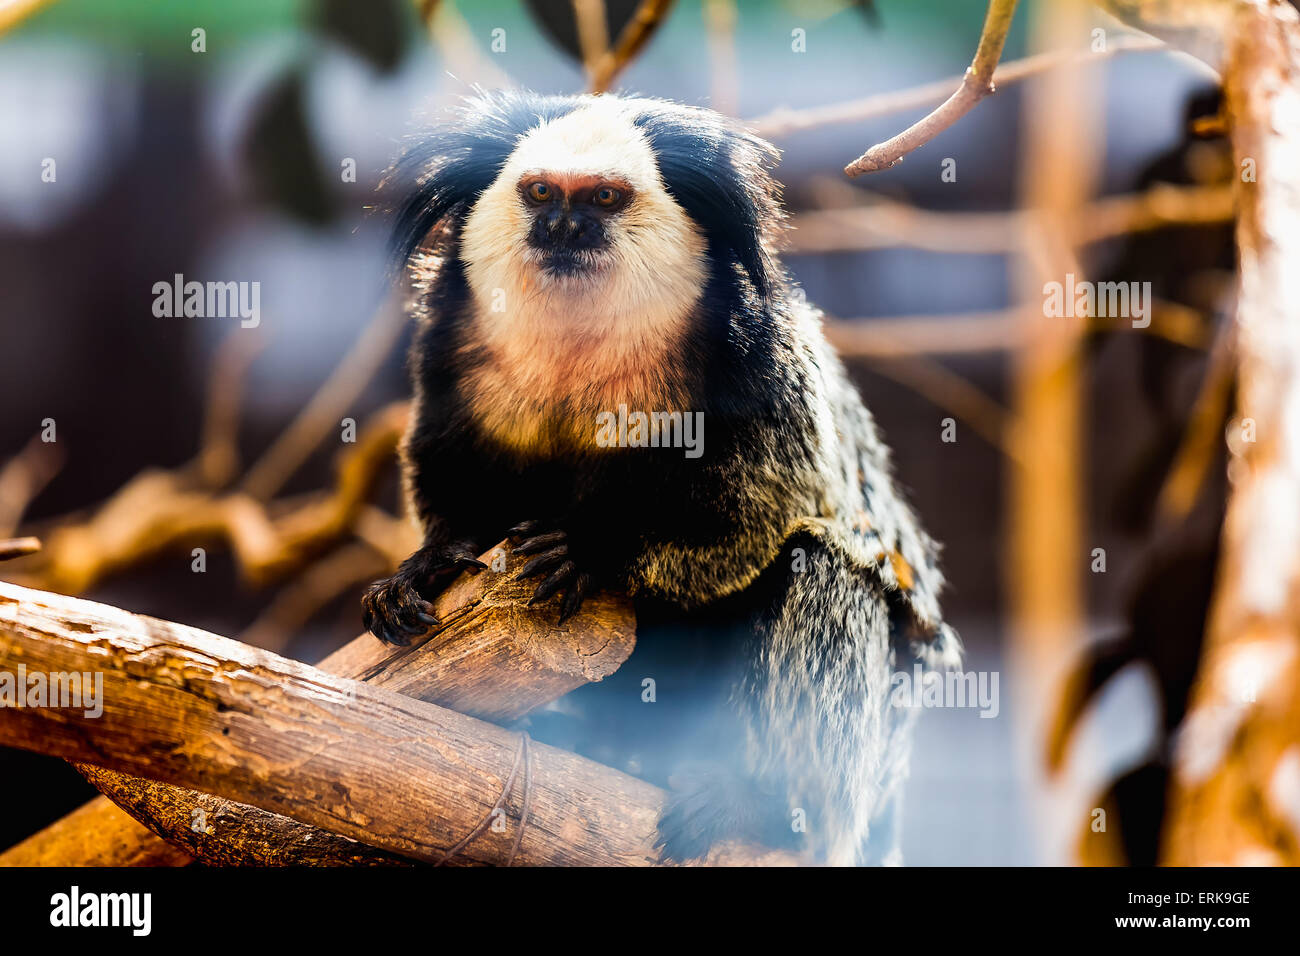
pixel 492 657
pixel 200 711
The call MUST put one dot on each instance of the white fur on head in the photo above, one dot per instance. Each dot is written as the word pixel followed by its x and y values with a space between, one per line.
pixel 656 260
pixel 590 341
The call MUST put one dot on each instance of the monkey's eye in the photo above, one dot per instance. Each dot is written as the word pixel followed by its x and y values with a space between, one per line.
pixel 607 197
pixel 539 192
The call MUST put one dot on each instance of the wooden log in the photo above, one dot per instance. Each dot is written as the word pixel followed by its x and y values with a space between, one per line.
pixel 95 834
pixel 221 832
pixel 193 709
pixel 492 657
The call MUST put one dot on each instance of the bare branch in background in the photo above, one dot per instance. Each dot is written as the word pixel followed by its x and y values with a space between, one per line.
pixel 947 390
pixel 884 223
pixel 1236 775
pixel 593 33
pixel 782 122
pixel 635 35
pixel 1203 435
pixel 217 462
pixel 18 547
pixel 720 18
pixel 975 85
pixel 24 477
pixel 1062 145
pixel 460 50
pixel 330 403
pixel 160 511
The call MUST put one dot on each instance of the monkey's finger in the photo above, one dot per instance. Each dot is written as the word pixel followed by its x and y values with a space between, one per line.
pixel 372 616
pixel 386 630
pixel 466 560
pixel 573 596
pixel 411 613
pixel 553 583
pixel 540 543
pixel 544 562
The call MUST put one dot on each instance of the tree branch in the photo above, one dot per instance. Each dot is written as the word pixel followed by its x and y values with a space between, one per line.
pixel 975 85
pixel 649 15
pixel 784 121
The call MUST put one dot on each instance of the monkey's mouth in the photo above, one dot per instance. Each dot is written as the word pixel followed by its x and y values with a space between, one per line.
pixel 569 264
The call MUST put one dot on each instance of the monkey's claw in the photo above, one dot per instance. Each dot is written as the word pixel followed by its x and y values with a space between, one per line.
pixel 397 609
pixel 550 556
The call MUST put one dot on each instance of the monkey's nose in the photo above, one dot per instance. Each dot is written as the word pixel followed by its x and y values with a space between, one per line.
pixel 572 229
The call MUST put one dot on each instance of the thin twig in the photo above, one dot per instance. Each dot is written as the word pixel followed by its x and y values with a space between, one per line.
pixel 783 121
pixel 947 390
pixel 975 85
pixel 24 477
pixel 720 21
pixel 1203 434
pixel 330 402
pixel 968 333
pixel 634 36
pixel 17 547
pixel 593 34
pixel 886 223
pixel 217 462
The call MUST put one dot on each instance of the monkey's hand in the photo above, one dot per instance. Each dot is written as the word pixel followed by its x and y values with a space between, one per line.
pixel 552 555
pixel 398 609
pixel 706 807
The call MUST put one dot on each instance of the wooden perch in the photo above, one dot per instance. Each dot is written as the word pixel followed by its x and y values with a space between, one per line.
pixel 410 778
pixel 493 657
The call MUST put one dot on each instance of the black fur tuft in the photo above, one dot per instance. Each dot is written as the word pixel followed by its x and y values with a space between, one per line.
pixel 719 174
pixel 444 170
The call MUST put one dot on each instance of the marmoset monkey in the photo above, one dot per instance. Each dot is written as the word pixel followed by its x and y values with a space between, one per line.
pixel 580 261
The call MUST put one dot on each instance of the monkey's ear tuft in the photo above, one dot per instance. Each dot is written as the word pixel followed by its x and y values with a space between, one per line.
pixel 442 171
pixel 720 175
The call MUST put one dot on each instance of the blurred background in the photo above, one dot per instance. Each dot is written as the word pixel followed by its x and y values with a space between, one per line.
pixel 133 148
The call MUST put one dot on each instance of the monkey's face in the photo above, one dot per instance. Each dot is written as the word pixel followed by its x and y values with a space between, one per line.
pixel 573 215
pixel 578 221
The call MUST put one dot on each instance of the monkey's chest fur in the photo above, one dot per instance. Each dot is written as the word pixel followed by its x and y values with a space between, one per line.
pixel 538 392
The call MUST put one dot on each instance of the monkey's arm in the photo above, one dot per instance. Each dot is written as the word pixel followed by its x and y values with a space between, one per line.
pixel 453 492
